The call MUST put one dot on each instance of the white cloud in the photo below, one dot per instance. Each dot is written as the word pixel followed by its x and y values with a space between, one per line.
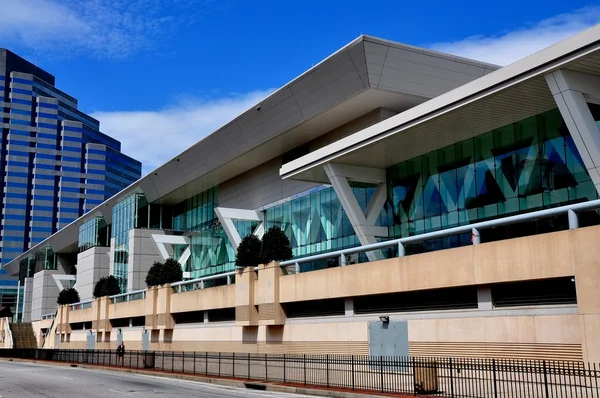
pixel 104 29
pixel 154 137
pixel 507 47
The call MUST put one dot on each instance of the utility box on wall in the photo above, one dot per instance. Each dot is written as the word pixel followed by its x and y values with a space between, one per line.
pixel 388 339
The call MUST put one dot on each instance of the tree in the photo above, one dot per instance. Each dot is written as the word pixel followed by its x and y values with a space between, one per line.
pixel 171 271
pixel 168 272
pixel 68 296
pixel 248 252
pixel 275 246
pixel 153 276
pixel 107 286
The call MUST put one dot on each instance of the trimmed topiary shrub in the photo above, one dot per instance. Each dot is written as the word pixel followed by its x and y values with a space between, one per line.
pixel 275 246
pixel 107 286
pixel 160 273
pixel 68 296
pixel 171 272
pixel 248 252
pixel 153 276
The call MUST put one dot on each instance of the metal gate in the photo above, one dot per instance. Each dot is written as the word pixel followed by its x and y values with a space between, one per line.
pixel 146 340
pixel 91 341
pixel 388 339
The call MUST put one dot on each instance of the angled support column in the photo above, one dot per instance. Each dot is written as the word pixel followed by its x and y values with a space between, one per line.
pixel 226 217
pixel 162 240
pixel 363 223
pixel 572 91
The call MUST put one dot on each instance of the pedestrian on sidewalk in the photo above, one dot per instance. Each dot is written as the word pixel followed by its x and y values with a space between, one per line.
pixel 121 352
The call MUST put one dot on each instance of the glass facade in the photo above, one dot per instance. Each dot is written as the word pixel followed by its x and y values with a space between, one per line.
pixel 211 252
pixel 93 233
pixel 124 219
pixel 526 166
pixel 316 222
pixel 11 294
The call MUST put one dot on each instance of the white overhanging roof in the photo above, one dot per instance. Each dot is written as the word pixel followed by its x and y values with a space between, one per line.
pixel 504 96
pixel 351 82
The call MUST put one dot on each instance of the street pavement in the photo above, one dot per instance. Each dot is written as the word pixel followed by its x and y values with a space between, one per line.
pixel 24 380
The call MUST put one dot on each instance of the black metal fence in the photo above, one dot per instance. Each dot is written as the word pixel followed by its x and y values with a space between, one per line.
pixel 450 377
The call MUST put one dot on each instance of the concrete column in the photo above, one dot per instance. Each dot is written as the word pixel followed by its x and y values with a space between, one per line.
pixel 484 298
pixel 349 307
pixel 245 308
pixel 164 320
pixel 205 319
pixel 586 260
pixel 270 311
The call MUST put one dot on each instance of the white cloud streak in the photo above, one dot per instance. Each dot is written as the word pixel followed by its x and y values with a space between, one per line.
pixel 154 137
pixel 508 47
pixel 99 28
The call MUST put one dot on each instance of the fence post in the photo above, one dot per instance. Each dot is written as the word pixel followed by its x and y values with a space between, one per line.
pixel 381 371
pixel 546 377
pixel 248 366
pixel 304 366
pixel 495 378
pixel 194 362
pixel 266 367
pixel 352 359
pixel 414 372
pixel 219 363
pixel 451 380
pixel 172 361
pixel 284 379
pixel 137 360
pixel 233 366
pixel 327 361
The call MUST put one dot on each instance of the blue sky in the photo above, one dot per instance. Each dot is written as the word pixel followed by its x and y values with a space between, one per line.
pixel 162 74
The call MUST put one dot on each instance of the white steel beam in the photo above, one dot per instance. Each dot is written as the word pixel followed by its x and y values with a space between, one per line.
pixel 226 217
pixel 571 91
pixel 363 223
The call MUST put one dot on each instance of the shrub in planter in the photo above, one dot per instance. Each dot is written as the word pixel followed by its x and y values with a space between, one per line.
pixel 107 286
pixel 153 275
pixel 68 296
pixel 275 246
pixel 160 273
pixel 248 252
pixel 171 271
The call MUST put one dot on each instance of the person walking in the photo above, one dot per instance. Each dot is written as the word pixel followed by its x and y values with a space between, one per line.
pixel 121 352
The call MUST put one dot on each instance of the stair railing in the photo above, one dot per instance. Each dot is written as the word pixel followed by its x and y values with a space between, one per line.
pixel 49 329
pixel 12 343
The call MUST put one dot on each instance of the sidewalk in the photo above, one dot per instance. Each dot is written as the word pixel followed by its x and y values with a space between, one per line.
pixel 230 382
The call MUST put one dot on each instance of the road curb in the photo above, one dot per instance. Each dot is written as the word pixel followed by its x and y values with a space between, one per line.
pixel 235 383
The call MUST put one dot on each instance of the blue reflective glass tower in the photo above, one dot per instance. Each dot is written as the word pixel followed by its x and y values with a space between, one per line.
pixel 55 164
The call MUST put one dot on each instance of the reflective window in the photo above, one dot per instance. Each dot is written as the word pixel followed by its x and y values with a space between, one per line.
pixel 526 166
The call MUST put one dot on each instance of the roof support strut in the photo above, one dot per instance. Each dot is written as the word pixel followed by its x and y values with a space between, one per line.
pixel 572 91
pixel 362 222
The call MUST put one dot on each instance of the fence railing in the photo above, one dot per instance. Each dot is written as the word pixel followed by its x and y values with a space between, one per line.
pixel 129 296
pixel 201 283
pixel 82 305
pixel 449 377
pixel 569 210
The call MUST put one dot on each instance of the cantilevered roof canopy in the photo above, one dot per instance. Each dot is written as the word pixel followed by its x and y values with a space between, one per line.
pixel 366 74
pixel 505 96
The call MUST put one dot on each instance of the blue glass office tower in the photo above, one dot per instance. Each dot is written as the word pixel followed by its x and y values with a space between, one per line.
pixel 55 164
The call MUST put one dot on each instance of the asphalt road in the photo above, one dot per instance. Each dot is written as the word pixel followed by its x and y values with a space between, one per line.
pixel 24 380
